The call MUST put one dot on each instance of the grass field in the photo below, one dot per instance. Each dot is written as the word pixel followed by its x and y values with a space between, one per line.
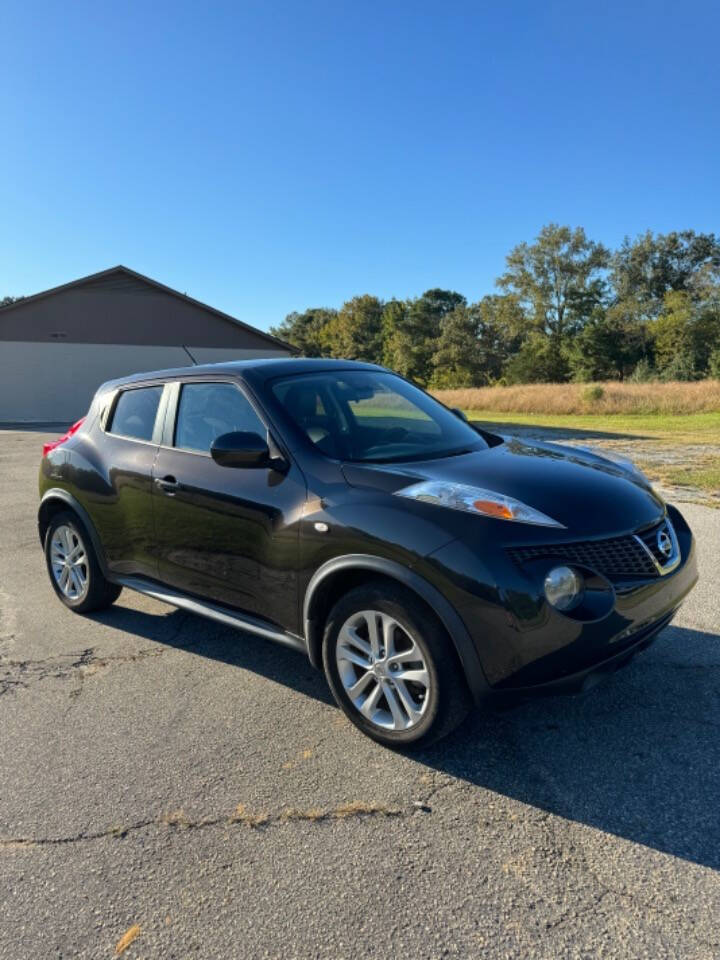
pixel 671 430
pixel 590 398
pixel 690 428
pixel 680 453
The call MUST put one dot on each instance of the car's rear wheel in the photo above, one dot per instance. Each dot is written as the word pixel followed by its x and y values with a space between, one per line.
pixel 73 566
pixel 392 668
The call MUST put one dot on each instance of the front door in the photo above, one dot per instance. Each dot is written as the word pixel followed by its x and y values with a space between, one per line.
pixel 226 534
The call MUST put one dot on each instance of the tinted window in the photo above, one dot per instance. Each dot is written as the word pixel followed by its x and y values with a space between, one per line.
pixel 373 416
pixel 207 410
pixel 135 413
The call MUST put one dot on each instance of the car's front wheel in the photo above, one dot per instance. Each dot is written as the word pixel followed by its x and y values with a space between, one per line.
pixel 392 668
pixel 73 567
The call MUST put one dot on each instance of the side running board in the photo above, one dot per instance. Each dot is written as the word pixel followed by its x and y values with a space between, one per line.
pixel 212 611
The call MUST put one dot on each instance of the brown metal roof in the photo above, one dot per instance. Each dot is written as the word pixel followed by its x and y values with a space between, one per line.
pixel 126 279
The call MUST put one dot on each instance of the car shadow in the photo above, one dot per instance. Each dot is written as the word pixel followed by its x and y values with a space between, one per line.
pixel 637 756
pixel 538 431
pixel 206 638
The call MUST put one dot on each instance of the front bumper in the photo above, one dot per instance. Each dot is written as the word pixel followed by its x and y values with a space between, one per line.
pixel 589 676
pixel 525 645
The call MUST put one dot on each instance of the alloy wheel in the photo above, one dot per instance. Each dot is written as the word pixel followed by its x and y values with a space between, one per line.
pixel 69 562
pixel 383 670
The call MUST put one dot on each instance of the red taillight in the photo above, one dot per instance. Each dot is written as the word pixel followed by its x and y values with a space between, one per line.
pixel 47 447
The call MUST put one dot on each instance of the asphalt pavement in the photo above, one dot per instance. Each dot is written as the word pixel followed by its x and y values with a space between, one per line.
pixel 195 791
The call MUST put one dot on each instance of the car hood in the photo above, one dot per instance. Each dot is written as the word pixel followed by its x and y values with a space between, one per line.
pixel 587 494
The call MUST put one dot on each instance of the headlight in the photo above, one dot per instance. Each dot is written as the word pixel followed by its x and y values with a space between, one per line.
pixel 459 496
pixel 563 588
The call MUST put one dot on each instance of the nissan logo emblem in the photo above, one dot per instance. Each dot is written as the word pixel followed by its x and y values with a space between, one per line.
pixel 664 543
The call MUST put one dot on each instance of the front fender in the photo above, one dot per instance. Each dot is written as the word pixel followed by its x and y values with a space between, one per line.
pixel 426 591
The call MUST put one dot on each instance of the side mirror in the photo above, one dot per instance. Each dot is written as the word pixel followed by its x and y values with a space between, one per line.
pixel 240 450
pixel 459 414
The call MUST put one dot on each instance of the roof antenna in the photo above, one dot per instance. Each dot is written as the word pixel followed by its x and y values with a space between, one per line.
pixel 195 363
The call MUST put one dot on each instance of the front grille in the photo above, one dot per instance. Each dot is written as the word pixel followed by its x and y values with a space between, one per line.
pixel 650 539
pixel 614 558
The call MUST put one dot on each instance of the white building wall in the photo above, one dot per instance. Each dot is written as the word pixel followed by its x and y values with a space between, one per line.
pixel 55 382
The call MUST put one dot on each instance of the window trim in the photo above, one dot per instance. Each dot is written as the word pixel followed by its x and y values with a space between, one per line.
pixel 173 409
pixel 167 412
pixel 159 413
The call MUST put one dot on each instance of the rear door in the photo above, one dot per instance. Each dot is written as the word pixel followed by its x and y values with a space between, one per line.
pixel 225 534
pixel 118 488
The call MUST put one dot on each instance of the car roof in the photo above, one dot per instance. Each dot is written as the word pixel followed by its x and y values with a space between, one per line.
pixel 257 370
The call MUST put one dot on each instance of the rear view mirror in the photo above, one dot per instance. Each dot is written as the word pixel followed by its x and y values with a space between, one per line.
pixel 458 413
pixel 240 450
pixel 355 392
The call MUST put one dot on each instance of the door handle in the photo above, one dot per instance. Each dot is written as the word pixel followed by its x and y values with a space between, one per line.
pixel 168 485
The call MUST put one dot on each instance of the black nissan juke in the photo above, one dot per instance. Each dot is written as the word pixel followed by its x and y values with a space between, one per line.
pixel 333 506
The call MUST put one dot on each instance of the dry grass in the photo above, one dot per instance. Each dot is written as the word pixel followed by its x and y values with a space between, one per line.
pixel 126 939
pixel 175 818
pixel 242 815
pixel 341 812
pixel 702 475
pixel 584 398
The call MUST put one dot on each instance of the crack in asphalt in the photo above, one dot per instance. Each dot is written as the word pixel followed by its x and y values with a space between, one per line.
pixel 561 849
pixel 578 860
pixel 261 821
pixel 21 674
pixel 177 820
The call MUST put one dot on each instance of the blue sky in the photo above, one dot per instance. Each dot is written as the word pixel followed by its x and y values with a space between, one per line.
pixel 270 156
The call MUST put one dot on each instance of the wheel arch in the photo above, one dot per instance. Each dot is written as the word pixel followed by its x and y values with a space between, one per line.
pixel 345 572
pixel 54 501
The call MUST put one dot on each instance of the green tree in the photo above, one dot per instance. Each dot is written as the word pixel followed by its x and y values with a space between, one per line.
pixel 501 327
pixel 393 322
pixel 457 360
pixel 609 346
pixel 355 331
pixel 540 359
pixel 558 279
pixel 714 364
pixel 567 308
pixel 411 344
pixel 686 334
pixel 645 269
pixel 305 330
pixel 644 272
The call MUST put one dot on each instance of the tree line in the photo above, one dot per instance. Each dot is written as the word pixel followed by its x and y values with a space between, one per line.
pixel 566 308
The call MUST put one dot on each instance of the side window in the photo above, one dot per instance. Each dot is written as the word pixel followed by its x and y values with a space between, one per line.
pixel 135 413
pixel 207 410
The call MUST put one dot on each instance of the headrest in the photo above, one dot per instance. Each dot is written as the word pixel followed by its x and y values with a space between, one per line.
pixel 301 401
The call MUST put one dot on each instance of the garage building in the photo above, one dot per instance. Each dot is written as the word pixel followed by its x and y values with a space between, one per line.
pixel 58 346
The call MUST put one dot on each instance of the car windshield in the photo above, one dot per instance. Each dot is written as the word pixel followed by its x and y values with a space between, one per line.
pixel 373 417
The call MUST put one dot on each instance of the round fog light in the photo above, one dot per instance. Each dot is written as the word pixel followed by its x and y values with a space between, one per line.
pixel 563 588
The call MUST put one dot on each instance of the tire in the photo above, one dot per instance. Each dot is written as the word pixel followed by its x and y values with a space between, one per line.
pixel 80 585
pixel 418 669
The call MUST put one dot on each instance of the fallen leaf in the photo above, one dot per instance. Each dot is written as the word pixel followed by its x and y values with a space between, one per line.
pixel 126 939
